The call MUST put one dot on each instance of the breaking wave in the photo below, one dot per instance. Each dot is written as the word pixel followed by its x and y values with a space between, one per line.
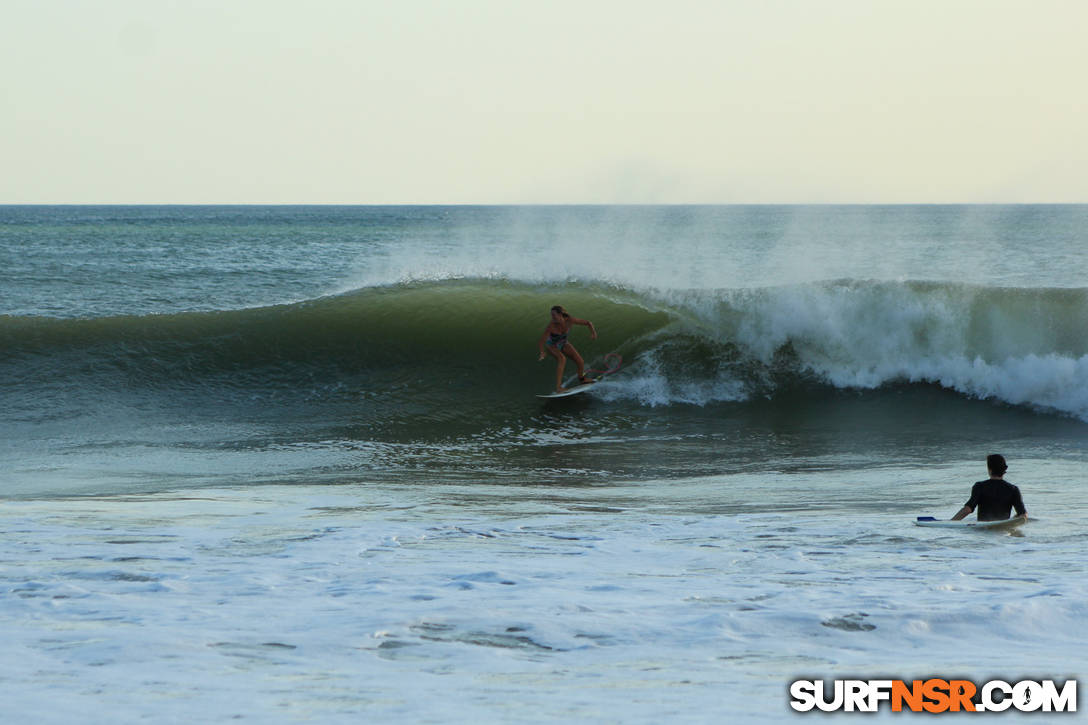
pixel 452 338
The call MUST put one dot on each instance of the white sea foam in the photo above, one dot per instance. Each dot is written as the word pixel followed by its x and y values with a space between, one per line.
pixel 637 603
pixel 868 335
pixel 652 382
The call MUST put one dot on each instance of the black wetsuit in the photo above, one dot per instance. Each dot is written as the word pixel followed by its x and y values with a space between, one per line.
pixel 994 499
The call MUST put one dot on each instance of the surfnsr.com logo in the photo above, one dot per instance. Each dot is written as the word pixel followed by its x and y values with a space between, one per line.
pixel 933 695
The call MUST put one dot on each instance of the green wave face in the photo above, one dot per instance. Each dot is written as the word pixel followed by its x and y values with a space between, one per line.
pixel 492 324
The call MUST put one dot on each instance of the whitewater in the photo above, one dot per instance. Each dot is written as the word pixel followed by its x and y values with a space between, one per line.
pixel 286 464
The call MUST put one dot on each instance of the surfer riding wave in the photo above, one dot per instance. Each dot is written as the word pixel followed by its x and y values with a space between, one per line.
pixel 555 341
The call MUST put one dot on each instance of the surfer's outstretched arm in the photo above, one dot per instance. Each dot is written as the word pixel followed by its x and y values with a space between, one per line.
pixel 587 323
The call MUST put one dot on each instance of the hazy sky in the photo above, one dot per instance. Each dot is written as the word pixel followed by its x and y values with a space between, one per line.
pixel 510 101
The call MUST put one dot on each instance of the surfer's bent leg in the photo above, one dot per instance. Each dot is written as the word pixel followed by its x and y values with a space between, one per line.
pixel 570 352
pixel 560 363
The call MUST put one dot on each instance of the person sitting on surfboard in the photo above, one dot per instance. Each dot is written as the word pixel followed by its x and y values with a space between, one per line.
pixel 555 337
pixel 995 497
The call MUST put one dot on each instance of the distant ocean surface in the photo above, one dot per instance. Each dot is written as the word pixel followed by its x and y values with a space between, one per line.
pixel 287 463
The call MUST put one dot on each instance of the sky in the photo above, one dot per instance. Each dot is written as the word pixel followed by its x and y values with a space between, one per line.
pixel 565 101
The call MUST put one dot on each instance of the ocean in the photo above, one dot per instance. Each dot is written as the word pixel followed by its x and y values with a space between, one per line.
pixel 287 464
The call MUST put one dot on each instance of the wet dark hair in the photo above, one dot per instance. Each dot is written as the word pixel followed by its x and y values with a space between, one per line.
pixel 560 310
pixel 996 464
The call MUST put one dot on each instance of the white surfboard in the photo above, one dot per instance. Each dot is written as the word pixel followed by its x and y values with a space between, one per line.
pixel 966 525
pixel 571 391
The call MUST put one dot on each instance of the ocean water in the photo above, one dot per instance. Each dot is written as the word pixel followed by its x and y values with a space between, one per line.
pixel 286 464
